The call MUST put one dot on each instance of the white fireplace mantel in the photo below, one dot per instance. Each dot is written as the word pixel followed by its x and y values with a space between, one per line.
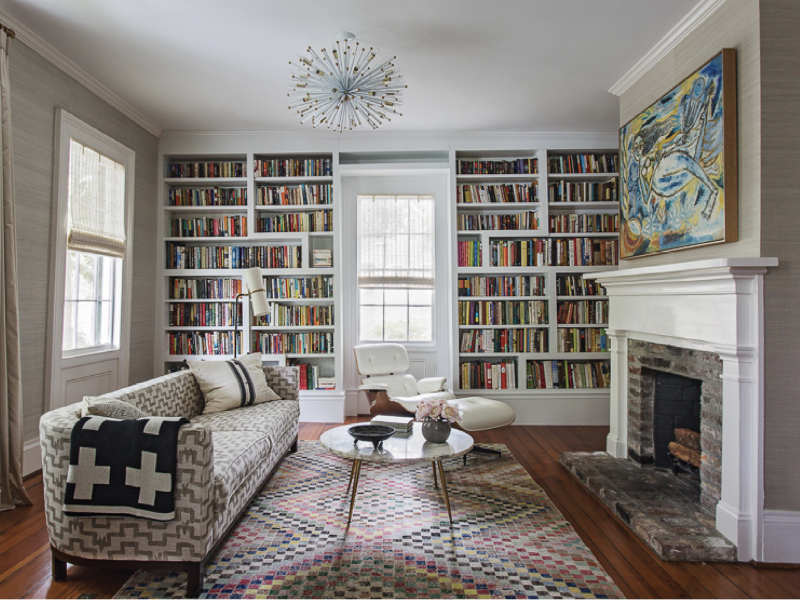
pixel 713 305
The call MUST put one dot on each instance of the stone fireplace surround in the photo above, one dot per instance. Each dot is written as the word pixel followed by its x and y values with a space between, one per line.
pixel 644 359
pixel 713 306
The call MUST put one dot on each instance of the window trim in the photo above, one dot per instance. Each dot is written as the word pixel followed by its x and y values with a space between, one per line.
pixel 68 127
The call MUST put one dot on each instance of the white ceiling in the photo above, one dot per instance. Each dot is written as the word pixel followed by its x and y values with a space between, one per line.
pixel 470 65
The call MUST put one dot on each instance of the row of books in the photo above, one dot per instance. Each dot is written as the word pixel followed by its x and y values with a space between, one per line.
pixel 201 314
pixel 486 313
pixel 206 169
pixel 582 340
pixel 488 375
pixel 310 378
pixel 527 220
pixel 504 340
pixel 201 343
pixel 297 315
pixel 566 374
pixel 306 287
pixel 497 193
pixel 583 163
pixel 501 286
pixel 582 192
pixel 207 197
pixel 307 221
pixel 577 286
pixel 524 165
pixel 578 223
pixel 554 252
pixel 469 254
pixel 303 194
pixel 212 257
pixel 204 288
pixel 282 168
pixel 195 227
pixel 583 312
pixel 293 342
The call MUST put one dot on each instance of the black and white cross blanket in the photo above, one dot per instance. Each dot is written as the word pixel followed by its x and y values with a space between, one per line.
pixel 125 467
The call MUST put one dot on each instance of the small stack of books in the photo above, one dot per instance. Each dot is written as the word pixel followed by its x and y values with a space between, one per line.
pixel 402 425
pixel 322 258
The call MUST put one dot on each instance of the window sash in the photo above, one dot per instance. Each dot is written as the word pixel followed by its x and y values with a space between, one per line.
pixel 396 241
pixel 96 202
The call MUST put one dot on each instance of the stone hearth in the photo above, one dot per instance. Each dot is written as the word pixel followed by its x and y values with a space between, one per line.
pixel 662 509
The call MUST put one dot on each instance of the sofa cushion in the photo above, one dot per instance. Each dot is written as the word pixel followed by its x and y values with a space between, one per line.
pixel 270 419
pixel 232 383
pixel 109 407
pixel 237 454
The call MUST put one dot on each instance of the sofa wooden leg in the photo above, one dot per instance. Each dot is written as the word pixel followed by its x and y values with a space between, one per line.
pixel 293 448
pixel 196 574
pixel 59 567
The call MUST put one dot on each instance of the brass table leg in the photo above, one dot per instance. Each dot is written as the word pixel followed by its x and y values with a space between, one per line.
pixel 444 490
pixel 435 484
pixel 356 473
pixel 352 472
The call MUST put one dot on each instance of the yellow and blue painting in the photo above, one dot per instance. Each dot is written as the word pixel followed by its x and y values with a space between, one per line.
pixel 672 168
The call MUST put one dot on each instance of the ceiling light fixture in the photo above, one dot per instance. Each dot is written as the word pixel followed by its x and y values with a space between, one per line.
pixel 346 88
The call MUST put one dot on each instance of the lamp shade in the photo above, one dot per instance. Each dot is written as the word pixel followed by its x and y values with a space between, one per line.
pixel 255 288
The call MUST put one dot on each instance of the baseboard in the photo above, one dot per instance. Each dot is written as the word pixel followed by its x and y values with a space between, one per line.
pixel 31 457
pixel 781 537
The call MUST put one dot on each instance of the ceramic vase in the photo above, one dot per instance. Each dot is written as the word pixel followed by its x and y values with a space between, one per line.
pixel 436 431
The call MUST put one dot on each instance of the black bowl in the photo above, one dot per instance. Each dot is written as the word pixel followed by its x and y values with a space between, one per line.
pixel 373 433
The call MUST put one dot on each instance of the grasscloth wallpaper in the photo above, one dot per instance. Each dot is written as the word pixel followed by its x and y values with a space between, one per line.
pixel 764 34
pixel 38 88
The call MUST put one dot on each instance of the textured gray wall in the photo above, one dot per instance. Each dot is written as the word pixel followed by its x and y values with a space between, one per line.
pixel 780 223
pixel 734 25
pixel 38 88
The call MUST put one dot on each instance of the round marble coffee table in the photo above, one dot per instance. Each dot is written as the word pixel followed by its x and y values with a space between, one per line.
pixel 399 448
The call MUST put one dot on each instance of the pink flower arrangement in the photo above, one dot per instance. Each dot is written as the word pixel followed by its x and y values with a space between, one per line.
pixel 438 409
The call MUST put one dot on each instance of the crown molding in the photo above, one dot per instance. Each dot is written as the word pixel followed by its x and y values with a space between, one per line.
pixel 30 39
pixel 685 26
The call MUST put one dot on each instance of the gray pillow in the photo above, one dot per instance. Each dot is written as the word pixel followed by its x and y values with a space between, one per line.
pixel 232 384
pixel 110 408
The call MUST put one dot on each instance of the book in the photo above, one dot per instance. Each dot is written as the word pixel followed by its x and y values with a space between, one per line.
pixel 323 258
pixel 398 423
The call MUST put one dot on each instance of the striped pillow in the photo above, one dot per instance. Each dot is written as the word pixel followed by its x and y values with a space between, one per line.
pixel 233 383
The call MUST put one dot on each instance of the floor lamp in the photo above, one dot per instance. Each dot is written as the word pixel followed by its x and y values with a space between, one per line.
pixel 258 299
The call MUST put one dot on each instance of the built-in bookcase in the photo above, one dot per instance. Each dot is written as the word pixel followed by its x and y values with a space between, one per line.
pixel 223 214
pixel 529 224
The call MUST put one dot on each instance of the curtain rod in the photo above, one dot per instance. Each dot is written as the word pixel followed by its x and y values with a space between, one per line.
pixel 9 32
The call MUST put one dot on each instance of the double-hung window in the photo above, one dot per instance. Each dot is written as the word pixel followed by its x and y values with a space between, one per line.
pixel 396 267
pixel 95 248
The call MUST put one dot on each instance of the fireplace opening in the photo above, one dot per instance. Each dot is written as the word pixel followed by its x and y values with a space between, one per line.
pixel 676 406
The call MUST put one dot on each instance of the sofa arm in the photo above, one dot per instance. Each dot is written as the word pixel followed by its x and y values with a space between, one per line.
pixel 431 384
pixel 187 537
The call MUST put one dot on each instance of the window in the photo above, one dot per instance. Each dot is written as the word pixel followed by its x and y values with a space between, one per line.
pixel 396 267
pixel 95 248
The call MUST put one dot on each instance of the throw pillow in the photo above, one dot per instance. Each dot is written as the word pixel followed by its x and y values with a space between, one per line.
pixel 232 383
pixel 110 408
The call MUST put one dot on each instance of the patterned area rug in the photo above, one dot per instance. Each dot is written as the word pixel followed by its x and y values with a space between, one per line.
pixel 507 540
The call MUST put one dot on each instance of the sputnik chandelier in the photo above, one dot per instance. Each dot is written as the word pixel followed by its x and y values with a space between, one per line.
pixel 346 88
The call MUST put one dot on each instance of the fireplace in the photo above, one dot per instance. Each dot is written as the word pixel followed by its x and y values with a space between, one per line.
pixel 701 320
pixel 692 385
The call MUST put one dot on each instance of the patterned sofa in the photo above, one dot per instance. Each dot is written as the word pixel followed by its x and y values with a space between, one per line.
pixel 223 460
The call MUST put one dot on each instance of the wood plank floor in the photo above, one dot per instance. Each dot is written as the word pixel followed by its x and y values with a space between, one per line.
pixel 25 555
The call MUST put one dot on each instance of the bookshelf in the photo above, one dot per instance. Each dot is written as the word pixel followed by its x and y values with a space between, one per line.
pixel 227 212
pixel 528 224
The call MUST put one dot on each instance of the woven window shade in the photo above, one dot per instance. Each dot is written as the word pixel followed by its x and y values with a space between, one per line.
pixel 96 202
pixel 395 241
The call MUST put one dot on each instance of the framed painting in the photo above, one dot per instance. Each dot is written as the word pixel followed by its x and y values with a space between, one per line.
pixel 678 159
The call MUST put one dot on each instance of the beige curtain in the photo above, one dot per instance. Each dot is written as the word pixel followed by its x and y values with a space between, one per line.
pixel 12 491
